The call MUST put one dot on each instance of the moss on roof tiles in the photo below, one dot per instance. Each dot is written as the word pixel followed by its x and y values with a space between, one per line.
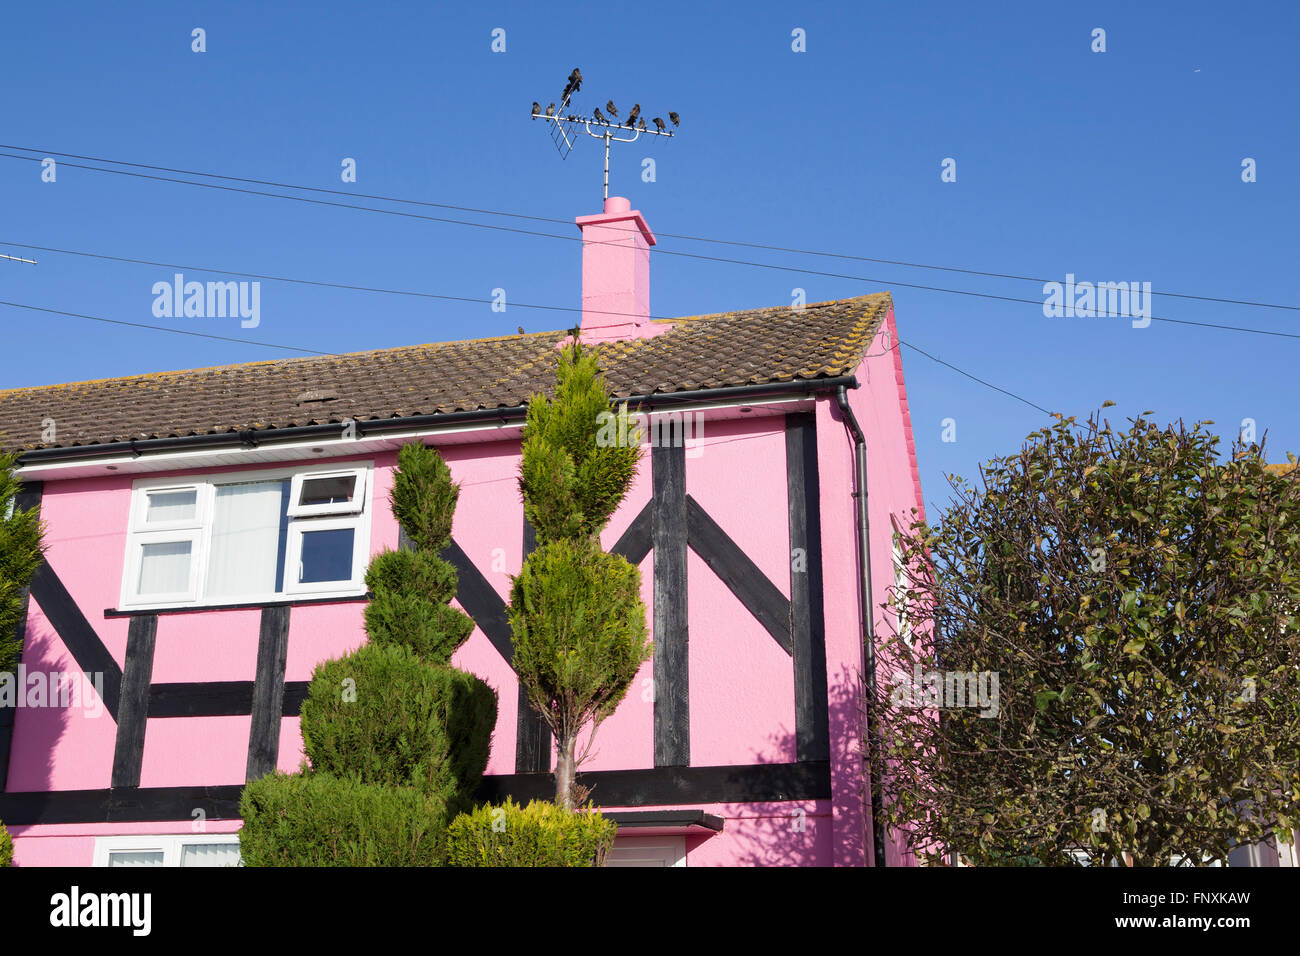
pixel 754 346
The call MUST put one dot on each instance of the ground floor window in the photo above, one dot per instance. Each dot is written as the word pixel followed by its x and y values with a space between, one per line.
pixel 219 849
pixel 648 851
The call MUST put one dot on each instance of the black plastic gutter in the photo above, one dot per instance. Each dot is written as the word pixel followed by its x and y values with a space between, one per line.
pixel 868 617
pixel 506 415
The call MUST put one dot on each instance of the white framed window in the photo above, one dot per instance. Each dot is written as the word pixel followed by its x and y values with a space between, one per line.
pixel 248 537
pixel 199 849
pixel 324 554
pixel 647 851
pixel 327 493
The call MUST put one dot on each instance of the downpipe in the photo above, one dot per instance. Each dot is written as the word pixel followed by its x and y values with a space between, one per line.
pixel 868 617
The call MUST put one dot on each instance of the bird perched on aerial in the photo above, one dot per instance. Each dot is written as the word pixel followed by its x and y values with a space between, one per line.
pixel 675 118
pixel 659 123
pixel 612 109
pixel 537 108
pixel 550 110
pixel 641 124
pixel 600 117
pixel 575 81
pixel 631 117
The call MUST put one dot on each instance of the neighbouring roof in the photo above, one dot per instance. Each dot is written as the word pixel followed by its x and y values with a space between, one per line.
pixel 758 346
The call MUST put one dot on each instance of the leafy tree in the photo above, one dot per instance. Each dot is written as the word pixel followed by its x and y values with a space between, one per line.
pixel 21 553
pixel 396 737
pixel 1137 600
pixel 575 610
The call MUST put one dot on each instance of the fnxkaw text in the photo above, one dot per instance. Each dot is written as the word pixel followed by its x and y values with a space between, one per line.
pixel 946 689
pixel 103 909
pixel 1089 300
pixel 211 300
pixel 53 689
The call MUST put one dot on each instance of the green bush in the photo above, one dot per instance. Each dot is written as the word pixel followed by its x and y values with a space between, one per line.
pixel 6 847
pixel 540 834
pixel 320 820
pixel 413 572
pixel 433 631
pixel 410 725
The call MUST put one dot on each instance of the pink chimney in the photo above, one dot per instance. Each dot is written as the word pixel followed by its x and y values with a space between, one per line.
pixel 616 274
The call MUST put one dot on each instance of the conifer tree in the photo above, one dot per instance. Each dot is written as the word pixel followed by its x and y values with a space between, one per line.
pixel 576 613
pixel 21 554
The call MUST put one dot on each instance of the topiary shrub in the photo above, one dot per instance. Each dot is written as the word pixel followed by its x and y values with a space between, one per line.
pixel 6 847
pixel 540 834
pixel 385 715
pixel 396 738
pixel 321 820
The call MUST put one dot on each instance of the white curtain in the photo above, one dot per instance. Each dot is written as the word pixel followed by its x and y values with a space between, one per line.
pixel 245 539
pixel 165 567
pixel 135 858
pixel 210 854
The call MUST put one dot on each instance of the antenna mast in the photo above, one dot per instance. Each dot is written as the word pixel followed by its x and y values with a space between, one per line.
pixel 566 126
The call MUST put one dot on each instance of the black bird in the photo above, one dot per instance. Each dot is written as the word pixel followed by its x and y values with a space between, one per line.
pixel 600 117
pixel 575 79
pixel 659 124
pixel 631 117
pixel 641 124
pixel 550 110
pixel 521 330
pixel 613 110
pixel 537 108
pixel 675 118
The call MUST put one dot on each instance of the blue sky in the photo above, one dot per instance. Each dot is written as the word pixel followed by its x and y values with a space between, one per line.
pixel 1115 166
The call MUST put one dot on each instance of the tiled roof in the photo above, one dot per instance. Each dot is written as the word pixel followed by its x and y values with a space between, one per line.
pixel 760 346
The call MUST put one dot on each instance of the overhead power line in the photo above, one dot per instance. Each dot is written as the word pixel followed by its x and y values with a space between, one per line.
pixel 885 282
pixel 547 219
pixel 309 351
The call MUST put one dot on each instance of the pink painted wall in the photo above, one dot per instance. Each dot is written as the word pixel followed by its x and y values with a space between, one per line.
pixel 893 489
pixel 742 684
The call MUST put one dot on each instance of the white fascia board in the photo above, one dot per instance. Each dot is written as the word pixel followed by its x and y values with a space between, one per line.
pixel 306 449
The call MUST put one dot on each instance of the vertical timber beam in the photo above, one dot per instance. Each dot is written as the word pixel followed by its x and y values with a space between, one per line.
pixel 133 704
pixel 268 692
pixel 672 717
pixel 532 736
pixel 807 616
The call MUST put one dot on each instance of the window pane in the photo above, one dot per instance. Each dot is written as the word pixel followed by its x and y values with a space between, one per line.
pixel 248 525
pixel 165 568
pixel 172 506
pixel 326 556
pixel 210 854
pixel 328 491
pixel 135 858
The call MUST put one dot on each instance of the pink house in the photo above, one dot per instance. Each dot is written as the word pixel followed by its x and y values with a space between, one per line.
pixel 208 532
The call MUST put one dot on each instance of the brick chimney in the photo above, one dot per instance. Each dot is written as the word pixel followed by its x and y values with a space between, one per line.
pixel 616 274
